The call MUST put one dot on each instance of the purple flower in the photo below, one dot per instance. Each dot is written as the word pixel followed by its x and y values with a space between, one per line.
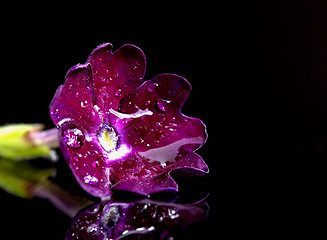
pixel 119 133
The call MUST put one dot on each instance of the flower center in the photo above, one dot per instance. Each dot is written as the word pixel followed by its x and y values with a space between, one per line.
pixel 108 138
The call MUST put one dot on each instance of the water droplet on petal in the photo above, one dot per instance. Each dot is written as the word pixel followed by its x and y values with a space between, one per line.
pixel 76 159
pixel 76 94
pixel 93 209
pixel 118 92
pixel 152 87
pixel 84 104
pixel 163 104
pixel 93 115
pixel 172 213
pixel 92 180
pixel 72 136
pixel 95 164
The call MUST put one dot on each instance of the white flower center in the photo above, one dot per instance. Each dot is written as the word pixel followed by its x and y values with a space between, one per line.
pixel 108 138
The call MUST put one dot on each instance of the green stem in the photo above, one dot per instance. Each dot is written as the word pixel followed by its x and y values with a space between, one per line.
pixel 47 138
pixel 27 141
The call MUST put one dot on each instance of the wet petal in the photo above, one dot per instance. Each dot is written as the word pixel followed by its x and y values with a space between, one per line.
pixel 160 134
pixel 190 163
pixel 145 176
pixel 88 166
pixel 154 127
pixel 147 186
pixel 165 93
pixel 115 74
pixel 73 101
pixel 140 175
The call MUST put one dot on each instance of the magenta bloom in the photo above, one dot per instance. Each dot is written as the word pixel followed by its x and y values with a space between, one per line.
pixel 119 133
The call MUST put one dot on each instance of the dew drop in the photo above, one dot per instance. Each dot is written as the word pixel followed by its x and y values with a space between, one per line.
pixel 93 115
pixel 92 180
pixel 152 87
pixel 70 87
pixel 76 159
pixel 72 136
pixel 84 104
pixel 95 164
pixel 118 92
pixel 56 111
pixel 163 104
pixel 93 209
pixel 172 213
pixel 76 94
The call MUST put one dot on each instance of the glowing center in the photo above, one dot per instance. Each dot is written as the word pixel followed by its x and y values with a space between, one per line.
pixel 108 138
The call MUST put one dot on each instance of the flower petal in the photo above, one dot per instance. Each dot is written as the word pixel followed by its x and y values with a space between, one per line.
pixel 145 176
pixel 89 167
pixel 73 101
pixel 165 93
pixel 155 130
pixel 115 74
pixel 147 186
pixel 140 175
pixel 190 162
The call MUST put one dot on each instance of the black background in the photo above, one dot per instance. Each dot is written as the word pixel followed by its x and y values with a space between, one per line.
pixel 259 75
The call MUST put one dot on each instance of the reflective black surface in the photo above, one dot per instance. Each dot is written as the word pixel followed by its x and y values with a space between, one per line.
pixel 64 210
pixel 138 219
pixel 258 72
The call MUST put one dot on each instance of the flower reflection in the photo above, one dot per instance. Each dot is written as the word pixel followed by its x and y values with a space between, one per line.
pixel 141 219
